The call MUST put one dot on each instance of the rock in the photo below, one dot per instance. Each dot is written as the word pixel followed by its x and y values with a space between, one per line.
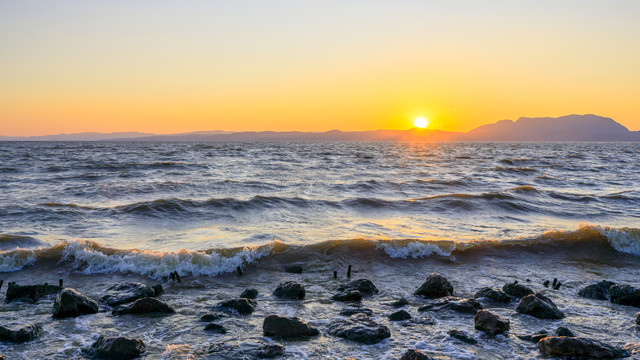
pixel 534 338
pixel 71 303
pixel 462 336
pixel 400 316
pixel 143 306
pixel 251 349
pixel 598 291
pixel 412 354
pixel 242 306
pixel 293 269
pixel 249 294
pixel 269 351
pixel 436 286
pixel 466 306
pixel 126 293
pixel 212 317
pixel 638 318
pixel 539 306
pixel 115 348
pixel 215 328
pixel 517 290
pixel 23 334
pixel 494 295
pixel 351 295
pixel 490 323
pixel 399 303
pixel 158 290
pixel 364 286
pixel 353 309
pixel 290 290
pixel 563 331
pixel 30 293
pixel 281 326
pixel 625 295
pixel 359 328
pixel 575 347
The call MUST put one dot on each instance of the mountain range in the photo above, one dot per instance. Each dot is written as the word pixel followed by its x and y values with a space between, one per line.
pixel 564 128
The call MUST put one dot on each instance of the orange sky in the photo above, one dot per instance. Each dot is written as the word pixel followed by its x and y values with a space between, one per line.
pixel 71 66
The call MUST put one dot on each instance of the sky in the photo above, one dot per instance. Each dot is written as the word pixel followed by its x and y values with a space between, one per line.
pixel 178 66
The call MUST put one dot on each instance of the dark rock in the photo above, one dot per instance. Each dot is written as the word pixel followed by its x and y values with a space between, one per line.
pixel 399 303
pixel 534 338
pixel 364 286
pixel 290 290
pixel 212 317
pixel 563 331
pixel 351 295
pixel 144 306
pixel 353 309
pixel 462 336
pixel 23 334
pixel 293 269
pixel 539 306
pixel 436 286
pixel 215 328
pixel 574 347
pixel 400 316
pixel 71 303
pixel 126 293
pixel 251 349
pixel 625 295
pixel 249 294
pixel 115 348
pixel 494 295
pixel 598 291
pixel 281 326
pixel 158 290
pixel 412 354
pixel 242 306
pixel 490 323
pixel 466 306
pixel 638 318
pixel 517 290
pixel 359 328
pixel 269 351
pixel 30 293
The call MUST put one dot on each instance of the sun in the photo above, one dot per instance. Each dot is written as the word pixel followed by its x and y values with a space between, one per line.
pixel 421 122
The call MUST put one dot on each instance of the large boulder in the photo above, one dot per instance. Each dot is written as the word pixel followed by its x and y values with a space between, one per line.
pixel 436 286
pixel 413 354
pixel 490 323
pixel 126 293
pixel 494 295
pixel 281 326
pixel 20 335
pixel 462 336
pixel 30 293
pixel 465 306
pixel 290 290
pixel 364 286
pixel 539 306
pixel 145 305
pixel 598 291
pixel 359 328
pixel 517 290
pixel 71 303
pixel 115 348
pixel 625 295
pixel 249 294
pixel 574 347
pixel 242 306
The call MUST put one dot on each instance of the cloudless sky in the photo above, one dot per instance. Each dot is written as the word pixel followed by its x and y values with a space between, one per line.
pixel 177 66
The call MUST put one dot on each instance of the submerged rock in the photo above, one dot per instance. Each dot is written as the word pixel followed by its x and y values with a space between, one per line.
pixel 293 269
pixel 598 291
pixel 399 303
pixel 249 294
pixel 290 290
pixel 534 338
pixel 212 317
pixel 127 292
pixel 465 306
pixel 215 328
pixel 144 306
pixel 242 306
pixel 71 303
pixel 494 295
pixel 573 347
pixel 115 348
pixel 436 286
pixel 413 354
pixel 517 290
pixel 462 336
pixel 400 316
pixel 351 295
pixel 490 323
pixel 281 326
pixel 359 328
pixel 364 286
pixel 625 295
pixel 563 331
pixel 251 349
pixel 23 334
pixel 30 293
pixel 539 306
pixel 353 309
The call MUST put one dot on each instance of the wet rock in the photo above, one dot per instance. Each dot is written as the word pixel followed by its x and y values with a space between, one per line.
pixel 158 290
pixel 598 291
pixel 574 347
pixel 251 349
pixel 353 309
pixel 638 318
pixel 23 334
pixel 490 323
pixel 413 354
pixel 465 306
pixel 71 303
pixel 462 336
pixel 625 295
pixel 126 293
pixel 351 295
pixel 290 290
pixel 436 286
pixel 539 306
pixel 400 316
pixel 215 328
pixel 212 317
pixel 399 303
pixel 242 306
pixel 359 328
pixel 269 351
pixel 494 295
pixel 281 326
pixel 534 338
pixel 563 331
pixel 364 286
pixel 30 293
pixel 249 294
pixel 293 269
pixel 144 306
pixel 517 290
pixel 115 348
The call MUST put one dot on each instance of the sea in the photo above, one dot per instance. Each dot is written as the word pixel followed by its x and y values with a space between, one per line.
pixel 481 214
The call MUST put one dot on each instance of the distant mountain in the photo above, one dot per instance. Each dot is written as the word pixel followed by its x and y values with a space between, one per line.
pixel 85 136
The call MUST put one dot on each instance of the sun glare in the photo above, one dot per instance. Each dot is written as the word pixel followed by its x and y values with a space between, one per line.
pixel 420 122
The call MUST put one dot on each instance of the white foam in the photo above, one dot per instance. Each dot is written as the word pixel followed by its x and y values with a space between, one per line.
pixel 17 259
pixel 413 249
pixel 626 240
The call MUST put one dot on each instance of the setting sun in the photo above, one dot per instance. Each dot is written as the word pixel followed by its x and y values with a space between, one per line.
pixel 420 122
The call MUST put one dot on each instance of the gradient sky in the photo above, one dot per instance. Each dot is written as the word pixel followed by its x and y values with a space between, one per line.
pixel 177 66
